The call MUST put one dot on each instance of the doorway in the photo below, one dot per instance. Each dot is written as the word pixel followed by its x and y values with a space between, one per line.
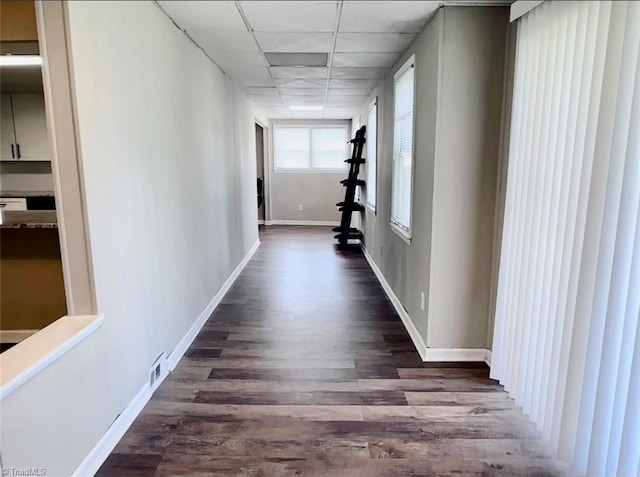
pixel 260 142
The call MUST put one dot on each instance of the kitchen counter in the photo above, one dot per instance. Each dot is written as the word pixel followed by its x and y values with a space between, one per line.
pixel 29 219
pixel 31 193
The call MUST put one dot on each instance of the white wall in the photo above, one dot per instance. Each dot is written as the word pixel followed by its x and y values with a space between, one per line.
pixel 459 71
pixel 168 161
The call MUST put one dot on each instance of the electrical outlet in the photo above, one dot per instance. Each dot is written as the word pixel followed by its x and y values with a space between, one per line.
pixel 300 208
pixel 422 301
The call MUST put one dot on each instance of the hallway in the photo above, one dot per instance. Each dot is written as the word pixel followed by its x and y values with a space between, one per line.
pixel 305 369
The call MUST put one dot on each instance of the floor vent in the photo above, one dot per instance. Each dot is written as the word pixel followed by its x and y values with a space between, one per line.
pixel 158 371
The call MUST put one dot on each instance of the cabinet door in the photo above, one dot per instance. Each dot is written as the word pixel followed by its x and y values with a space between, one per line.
pixel 8 137
pixel 31 127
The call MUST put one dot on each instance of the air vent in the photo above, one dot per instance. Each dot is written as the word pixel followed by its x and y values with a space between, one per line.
pixel 297 59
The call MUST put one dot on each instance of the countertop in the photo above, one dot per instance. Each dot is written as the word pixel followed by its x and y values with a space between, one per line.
pixel 33 193
pixel 29 219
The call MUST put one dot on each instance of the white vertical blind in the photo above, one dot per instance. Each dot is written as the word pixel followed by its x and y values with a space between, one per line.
pixel 372 154
pixel 566 338
pixel 402 184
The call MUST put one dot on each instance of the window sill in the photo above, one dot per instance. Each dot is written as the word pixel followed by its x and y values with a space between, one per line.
pixel 310 171
pixel 32 355
pixel 403 234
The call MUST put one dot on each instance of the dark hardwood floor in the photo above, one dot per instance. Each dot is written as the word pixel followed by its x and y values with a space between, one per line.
pixel 306 370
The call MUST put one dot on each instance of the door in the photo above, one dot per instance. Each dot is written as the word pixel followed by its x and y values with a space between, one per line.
pixel 8 136
pixel 30 122
pixel 260 171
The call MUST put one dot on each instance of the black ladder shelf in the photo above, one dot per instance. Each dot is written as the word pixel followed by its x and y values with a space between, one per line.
pixel 345 232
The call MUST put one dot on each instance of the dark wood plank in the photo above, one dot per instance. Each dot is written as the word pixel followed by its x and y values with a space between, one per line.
pixel 306 370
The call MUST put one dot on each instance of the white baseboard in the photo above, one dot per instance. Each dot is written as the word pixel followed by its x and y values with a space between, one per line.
pixel 185 342
pixel 402 313
pixel 487 358
pixel 15 336
pixel 260 221
pixel 116 431
pixel 456 354
pixel 317 223
pixel 104 447
pixel 427 354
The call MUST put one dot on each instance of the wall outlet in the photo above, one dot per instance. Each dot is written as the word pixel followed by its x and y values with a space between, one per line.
pixel 157 372
pixel 422 301
pixel 300 207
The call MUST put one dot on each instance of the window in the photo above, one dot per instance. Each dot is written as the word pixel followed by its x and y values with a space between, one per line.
pixel 310 148
pixel 372 154
pixel 402 184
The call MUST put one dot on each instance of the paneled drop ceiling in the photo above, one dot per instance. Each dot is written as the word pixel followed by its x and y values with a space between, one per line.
pixel 363 39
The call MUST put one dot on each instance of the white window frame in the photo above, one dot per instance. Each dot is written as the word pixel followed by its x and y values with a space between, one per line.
pixel 310 169
pixel 372 192
pixel 400 230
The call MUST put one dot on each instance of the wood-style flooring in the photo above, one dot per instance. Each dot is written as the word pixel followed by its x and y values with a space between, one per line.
pixel 305 369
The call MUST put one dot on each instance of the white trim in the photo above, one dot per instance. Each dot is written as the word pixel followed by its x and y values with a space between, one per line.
pixel 522 7
pixel 402 313
pixel 400 232
pixel 115 432
pixel 426 354
pixel 260 221
pixel 456 354
pixel 185 342
pixel 15 336
pixel 406 66
pixel 487 358
pixel 318 223
pixel 49 343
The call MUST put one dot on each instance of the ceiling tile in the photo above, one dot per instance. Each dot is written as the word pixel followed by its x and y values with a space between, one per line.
pixel 301 91
pixel 299 72
pixel 303 99
pixel 306 16
pixel 301 83
pixel 220 40
pixel 188 14
pixel 368 60
pixel 373 42
pixel 359 73
pixel 283 42
pixel 237 59
pixel 340 92
pixel 391 17
pixel 262 91
pixel 352 83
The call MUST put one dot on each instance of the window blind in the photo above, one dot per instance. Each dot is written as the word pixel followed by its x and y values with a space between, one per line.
pixel 567 340
pixel 310 148
pixel 372 152
pixel 403 149
pixel 292 148
pixel 329 148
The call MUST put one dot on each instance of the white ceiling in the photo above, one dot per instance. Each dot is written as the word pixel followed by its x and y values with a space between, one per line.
pixel 363 38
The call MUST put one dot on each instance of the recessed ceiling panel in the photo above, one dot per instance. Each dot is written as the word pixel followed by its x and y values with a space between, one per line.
pixel 373 42
pixel 306 16
pixel 365 60
pixel 299 42
pixel 299 72
pixel 188 14
pixel 219 40
pixel 386 17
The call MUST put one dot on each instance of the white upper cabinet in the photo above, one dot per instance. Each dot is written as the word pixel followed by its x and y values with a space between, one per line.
pixel 30 122
pixel 24 128
pixel 8 133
